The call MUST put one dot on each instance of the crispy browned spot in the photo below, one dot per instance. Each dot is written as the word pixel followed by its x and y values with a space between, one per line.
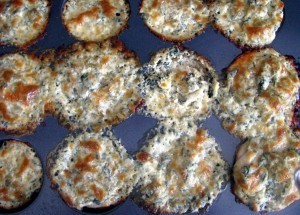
pixel 280 5
pixel 291 198
pixel 68 200
pixel 142 156
pixel 92 145
pixel 284 175
pixel 22 92
pixel 273 101
pixel 99 193
pixel 155 3
pixel 36 24
pixel 81 192
pixel 7 74
pixel 25 164
pixel 32 1
pixel 67 173
pixel 77 179
pixel 3 194
pixel 200 138
pixel 17 3
pixel 104 60
pixel 2 172
pixel 205 169
pixel 19 194
pixel 255 30
pixel 83 165
pixel 107 8
pixel 5 115
pixel 90 13
pixel 121 176
pixel 128 93
pixel 2 6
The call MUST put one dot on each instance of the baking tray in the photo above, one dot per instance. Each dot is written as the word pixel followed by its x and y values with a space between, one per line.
pixel 138 38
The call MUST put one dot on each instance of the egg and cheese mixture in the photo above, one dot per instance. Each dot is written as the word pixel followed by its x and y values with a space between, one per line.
pixel 95 84
pixel 92 170
pixel 22 21
pixel 177 20
pixel 265 172
pixel 21 174
pixel 178 83
pixel 261 89
pixel 24 88
pixel 180 170
pixel 95 20
pixel 248 23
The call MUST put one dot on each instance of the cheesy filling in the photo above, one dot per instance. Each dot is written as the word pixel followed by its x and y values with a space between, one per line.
pixel 24 86
pixel 20 174
pixel 95 20
pixel 92 170
pixel 248 22
pixel 178 84
pixel 179 172
pixel 175 20
pixel 260 91
pixel 22 21
pixel 265 172
pixel 95 84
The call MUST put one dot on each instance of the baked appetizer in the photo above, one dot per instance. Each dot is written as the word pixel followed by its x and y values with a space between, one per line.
pixel 92 170
pixel 259 93
pixel 248 24
pixel 23 91
pixel 266 171
pixel 180 171
pixel 21 175
pixel 176 21
pixel 178 83
pixel 95 20
pixel 22 22
pixel 95 84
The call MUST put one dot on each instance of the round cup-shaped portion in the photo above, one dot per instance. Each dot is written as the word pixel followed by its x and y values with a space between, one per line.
pixel 21 175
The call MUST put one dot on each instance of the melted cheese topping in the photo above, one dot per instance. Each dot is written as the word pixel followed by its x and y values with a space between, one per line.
pixel 178 84
pixel 95 20
pixel 179 172
pixel 95 84
pixel 177 20
pixel 22 21
pixel 265 172
pixel 248 23
pixel 23 91
pixel 20 174
pixel 261 90
pixel 92 170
